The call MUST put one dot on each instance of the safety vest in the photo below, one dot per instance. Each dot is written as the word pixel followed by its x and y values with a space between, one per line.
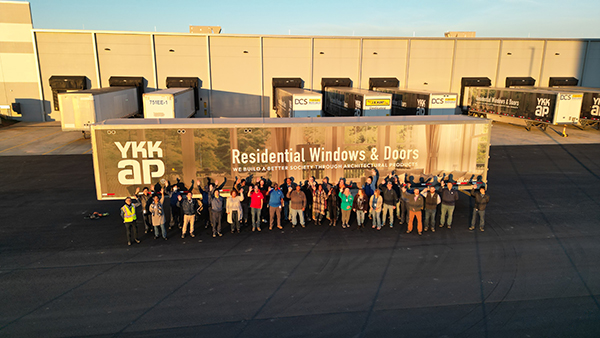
pixel 128 214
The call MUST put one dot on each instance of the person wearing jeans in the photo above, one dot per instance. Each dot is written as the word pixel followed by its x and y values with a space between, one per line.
pixel 361 207
pixel 449 198
pixel 390 199
pixel 375 205
pixel 157 215
pixel 481 201
pixel 256 205
pixel 432 199
pixel 234 210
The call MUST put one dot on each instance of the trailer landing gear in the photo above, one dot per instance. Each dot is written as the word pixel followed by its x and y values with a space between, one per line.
pixel 564 132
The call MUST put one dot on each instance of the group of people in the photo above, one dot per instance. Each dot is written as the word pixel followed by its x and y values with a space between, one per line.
pixel 260 203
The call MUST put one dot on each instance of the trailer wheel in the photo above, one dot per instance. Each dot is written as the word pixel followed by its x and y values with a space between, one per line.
pixel 86 134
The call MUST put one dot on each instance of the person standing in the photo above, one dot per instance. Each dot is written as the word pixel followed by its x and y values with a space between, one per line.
pixel 332 205
pixel 275 205
pixel 346 206
pixel 216 205
pixel 234 210
pixel 360 207
pixel 145 200
pixel 449 198
pixel 256 205
pixel 188 206
pixel 414 204
pixel 175 210
pixel 129 219
pixel 297 205
pixel 375 205
pixel 157 214
pixel 481 201
pixel 371 183
pixel 286 188
pixel 432 199
pixel 243 189
pixel 319 204
pixel 390 198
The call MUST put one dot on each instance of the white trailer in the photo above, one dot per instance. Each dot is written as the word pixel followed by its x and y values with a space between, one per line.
pixel 298 102
pixel 169 103
pixel 80 109
pixel 420 102
pixel 347 101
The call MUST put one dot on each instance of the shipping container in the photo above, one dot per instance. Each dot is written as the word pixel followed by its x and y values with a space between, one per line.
pixel 298 102
pixel 132 153
pixel 420 102
pixel 534 106
pixel 169 103
pixel 346 101
pixel 80 109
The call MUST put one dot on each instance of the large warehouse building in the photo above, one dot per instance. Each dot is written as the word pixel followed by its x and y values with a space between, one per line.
pixel 235 72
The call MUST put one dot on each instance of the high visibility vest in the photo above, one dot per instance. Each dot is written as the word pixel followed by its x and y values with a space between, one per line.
pixel 128 214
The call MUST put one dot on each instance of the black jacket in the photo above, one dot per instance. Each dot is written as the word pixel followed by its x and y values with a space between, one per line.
pixel 389 196
pixel 449 197
pixel 188 207
pixel 481 201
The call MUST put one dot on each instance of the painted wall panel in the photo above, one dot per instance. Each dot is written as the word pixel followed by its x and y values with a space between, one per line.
pixel 183 56
pixel 285 57
pixel 336 58
pixel 383 58
pixel 591 73
pixel 519 58
pixel 125 55
pixel 562 59
pixel 236 76
pixel 65 54
pixel 430 64
pixel 475 59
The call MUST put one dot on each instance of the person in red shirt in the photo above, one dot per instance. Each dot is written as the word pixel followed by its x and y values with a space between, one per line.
pixel 256 205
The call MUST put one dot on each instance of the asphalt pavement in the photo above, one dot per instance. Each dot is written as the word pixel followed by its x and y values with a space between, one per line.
pixel 534 272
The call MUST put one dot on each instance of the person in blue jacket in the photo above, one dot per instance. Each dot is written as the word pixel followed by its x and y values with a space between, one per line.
pixel 275 205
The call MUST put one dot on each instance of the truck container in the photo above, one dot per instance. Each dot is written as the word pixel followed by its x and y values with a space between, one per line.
pixel 347 101
pixel 420 102
pixel 130 153
pixel 169 103
pixel 298 102
pixel 590 105
pixel 80 109
pixel 534 106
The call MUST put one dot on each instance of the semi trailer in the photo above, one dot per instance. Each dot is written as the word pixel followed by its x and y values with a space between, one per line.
pixel 420 102
pixel 131 153
pixel 169 103
pixel 298 102
pixel 80 109
pixel 347 101
pixel 536 107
